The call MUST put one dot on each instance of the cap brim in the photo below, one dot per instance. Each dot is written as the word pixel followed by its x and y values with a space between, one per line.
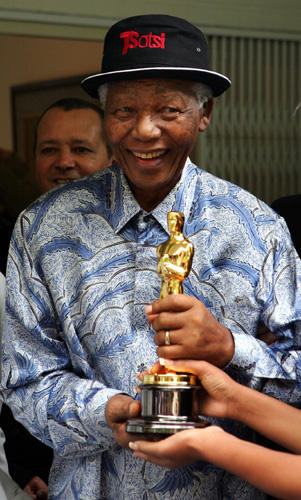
pixel 217 82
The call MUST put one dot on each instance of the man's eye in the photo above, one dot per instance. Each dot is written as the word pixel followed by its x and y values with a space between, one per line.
pixel 47 151
pixel 81 149
pixel 123 112
pixel 169 112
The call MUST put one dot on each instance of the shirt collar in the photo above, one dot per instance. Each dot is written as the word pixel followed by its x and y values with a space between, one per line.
pixel 180 197
pixel 124 205
pixel 127 207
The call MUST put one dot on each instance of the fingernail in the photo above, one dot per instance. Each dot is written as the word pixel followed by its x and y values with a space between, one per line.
pixel 133 446
pixel 148 309
pixel 165 361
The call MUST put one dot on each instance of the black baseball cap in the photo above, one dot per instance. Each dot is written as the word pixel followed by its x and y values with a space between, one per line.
pixel 155 46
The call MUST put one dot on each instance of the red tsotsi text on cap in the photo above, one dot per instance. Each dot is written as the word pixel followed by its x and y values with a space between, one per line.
pixel 132 39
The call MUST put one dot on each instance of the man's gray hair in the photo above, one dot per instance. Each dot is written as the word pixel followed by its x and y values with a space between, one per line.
pixel 202 92
pixel 102 94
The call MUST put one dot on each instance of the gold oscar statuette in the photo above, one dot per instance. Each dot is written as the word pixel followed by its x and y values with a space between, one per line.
pixel 169 399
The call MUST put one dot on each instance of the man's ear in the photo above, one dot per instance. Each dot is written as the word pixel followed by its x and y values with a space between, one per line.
pixel 205 115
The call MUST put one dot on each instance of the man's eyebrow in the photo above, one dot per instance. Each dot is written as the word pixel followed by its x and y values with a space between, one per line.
pixel 48 141
pixel 73 140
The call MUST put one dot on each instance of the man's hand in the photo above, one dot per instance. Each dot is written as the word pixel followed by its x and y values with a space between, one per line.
pixel 264 334
pixel 194 333
pixel 119 410
pixel 37 489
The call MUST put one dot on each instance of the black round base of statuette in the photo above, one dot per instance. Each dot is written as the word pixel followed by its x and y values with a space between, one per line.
pixel 163 426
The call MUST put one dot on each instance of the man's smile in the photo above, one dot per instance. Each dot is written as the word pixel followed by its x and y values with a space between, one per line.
pixel 63 180
pixel 148 156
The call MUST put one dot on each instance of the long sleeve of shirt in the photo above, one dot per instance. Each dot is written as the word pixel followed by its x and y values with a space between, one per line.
pixel 273 369
pixel 52 373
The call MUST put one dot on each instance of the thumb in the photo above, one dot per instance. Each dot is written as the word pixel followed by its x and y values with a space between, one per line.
pixel 134 409
pixel 119 408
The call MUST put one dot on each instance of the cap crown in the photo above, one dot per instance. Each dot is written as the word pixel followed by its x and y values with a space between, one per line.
pixel 155 46
pixel 154 41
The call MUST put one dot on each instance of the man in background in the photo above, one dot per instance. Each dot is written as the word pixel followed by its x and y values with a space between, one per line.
pixel 69 143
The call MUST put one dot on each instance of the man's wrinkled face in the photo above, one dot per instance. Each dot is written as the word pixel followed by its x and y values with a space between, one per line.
pixel 152 126
pixel 69 146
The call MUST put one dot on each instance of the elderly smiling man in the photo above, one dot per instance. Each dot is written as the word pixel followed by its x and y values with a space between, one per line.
pixel 83 315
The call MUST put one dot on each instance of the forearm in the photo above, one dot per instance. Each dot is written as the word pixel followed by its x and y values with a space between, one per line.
pixel 65 412
pixel 276 420
pixel 274 472
pixel 265 367
pixel 277 297
pixel 53 394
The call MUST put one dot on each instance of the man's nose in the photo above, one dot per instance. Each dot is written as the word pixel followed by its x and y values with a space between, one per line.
pixel 146 128
pixel 65 159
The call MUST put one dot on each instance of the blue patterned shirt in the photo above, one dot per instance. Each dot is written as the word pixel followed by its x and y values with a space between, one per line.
pixel 81 270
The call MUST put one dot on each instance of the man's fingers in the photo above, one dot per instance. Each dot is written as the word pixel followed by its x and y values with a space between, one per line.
pixel 176 303
pixel 120 408
pixel 268 337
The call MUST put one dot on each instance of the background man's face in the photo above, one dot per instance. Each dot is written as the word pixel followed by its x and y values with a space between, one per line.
pixel 69 146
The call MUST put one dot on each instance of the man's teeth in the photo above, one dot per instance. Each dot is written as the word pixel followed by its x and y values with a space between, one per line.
pixel 149 156
pixel 62 181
